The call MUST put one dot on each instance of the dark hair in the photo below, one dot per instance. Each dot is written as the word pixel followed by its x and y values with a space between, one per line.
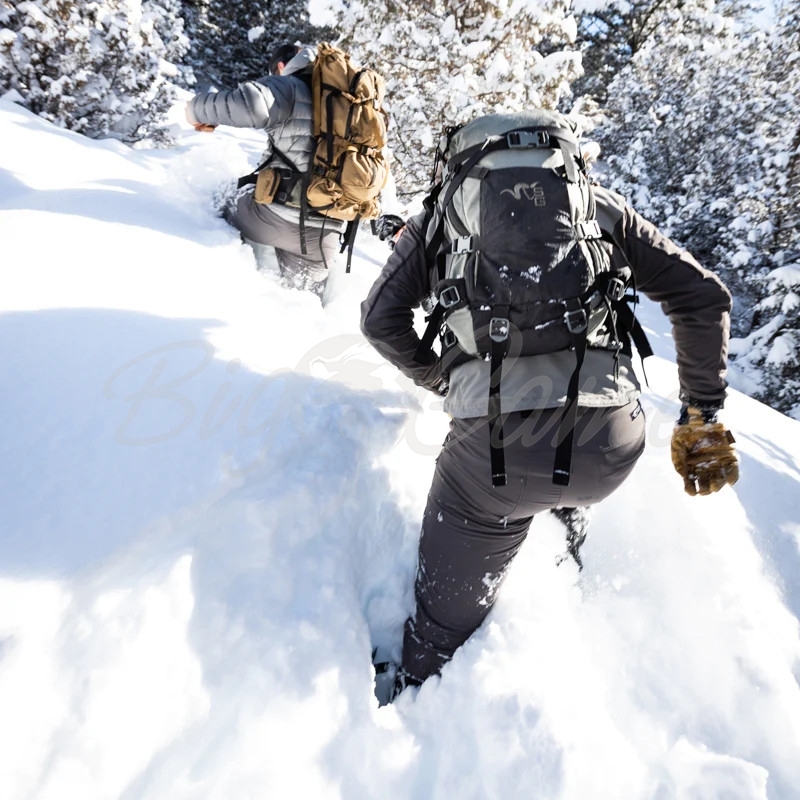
pixel 285 53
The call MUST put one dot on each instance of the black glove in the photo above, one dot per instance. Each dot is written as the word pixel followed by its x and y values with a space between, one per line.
pixel 387 226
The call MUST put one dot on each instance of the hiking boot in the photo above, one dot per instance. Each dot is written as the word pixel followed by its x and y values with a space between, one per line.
pixel 390 680
pixel 385 674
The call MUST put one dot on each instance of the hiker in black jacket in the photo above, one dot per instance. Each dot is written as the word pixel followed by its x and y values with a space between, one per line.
pixel 471 529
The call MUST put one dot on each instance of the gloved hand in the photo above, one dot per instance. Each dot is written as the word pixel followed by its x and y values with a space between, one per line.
pixel 203 128
pixel 388 226
pixel 703 453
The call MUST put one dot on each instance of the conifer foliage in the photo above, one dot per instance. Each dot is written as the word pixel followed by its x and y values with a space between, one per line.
pixel 769 356
pixel 681 140
pixel 702 136
pixel 98 68
pixel 233 39
pixel 447 63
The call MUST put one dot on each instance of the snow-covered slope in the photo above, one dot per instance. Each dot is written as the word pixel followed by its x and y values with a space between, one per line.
pixel 211 493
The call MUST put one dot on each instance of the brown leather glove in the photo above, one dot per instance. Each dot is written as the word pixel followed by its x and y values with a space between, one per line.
pixel 703 453
pixel 203 128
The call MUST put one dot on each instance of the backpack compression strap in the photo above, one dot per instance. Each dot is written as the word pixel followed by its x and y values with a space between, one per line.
pixel 499 329
pixel 606 288
pixel 577 325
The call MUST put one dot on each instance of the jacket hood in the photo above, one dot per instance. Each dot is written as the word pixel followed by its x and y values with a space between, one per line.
pixel 303 59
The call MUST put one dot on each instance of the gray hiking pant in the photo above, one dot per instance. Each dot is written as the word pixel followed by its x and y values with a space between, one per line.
pixel 471 530
pixel 262 226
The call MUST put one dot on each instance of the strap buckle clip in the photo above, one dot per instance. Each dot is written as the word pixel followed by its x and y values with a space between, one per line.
pixel 463 244
pixel 449 297
pixel 616 289
pixel 588 230
pixel 576 320
pixel 518 139
pixel 499 328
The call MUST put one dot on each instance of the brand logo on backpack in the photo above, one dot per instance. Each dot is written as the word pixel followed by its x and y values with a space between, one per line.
pixel 530 191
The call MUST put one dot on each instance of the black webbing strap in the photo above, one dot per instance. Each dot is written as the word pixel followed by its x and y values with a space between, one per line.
pixel 629 324
pixel 498 333
pixel 566 425
pixel 473 155
pixel 469 158
pixel 452 294
pixel 252 177
pixel 349 240
pixel 332 92
pixel 306 180
pixel 434 320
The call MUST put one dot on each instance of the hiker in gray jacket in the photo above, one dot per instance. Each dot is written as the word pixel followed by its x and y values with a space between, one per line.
pixel 280 105
pixel 471 529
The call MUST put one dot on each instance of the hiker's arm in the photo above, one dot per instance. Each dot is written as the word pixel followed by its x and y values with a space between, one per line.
pixel 387 315
pixel 696 301
pixel 249 105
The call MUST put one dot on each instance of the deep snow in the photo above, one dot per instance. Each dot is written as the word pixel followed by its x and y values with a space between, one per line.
pixel 211 494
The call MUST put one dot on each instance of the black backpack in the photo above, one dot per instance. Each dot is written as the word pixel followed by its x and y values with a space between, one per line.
pixel 521 264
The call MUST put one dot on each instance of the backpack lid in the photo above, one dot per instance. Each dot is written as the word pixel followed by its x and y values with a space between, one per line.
pixel 480 129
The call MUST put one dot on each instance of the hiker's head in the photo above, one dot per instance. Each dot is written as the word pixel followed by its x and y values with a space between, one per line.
pixel 282 56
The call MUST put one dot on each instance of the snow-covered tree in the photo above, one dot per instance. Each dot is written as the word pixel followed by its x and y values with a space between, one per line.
pixel 446 63
pixel 233 39
pixel 612 32
pixel 770 355
pixel 702 134
pixel 684 140
pixel 99 68
pixel 169 25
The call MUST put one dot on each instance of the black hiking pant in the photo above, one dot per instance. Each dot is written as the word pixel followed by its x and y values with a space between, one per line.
pixel 471 530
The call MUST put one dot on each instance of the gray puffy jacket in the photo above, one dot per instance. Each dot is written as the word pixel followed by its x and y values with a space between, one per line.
pixel 280 105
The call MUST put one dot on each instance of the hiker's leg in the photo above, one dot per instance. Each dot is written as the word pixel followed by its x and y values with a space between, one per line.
pixel 462 563
pixel 471 531
pixel 298 272
pixel 267 260
pixel 469 537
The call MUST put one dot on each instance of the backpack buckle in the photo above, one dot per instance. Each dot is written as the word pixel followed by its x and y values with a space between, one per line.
pixel 517 139
pixel 498 329
pixel 449 297
pixel 576 320
pixel 588 230
pixel 616 289
pixel 449 338
pixel 463 244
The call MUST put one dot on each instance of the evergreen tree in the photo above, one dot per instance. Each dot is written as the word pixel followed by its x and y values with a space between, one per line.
pixel 610 34
pixel 232 40
pixel 769 357
pixel 97 68
pixel 447 64
pixel 683 141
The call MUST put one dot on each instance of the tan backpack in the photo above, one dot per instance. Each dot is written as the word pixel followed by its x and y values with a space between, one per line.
pixel 349 168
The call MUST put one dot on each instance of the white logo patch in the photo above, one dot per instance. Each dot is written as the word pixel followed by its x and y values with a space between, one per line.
pixel 531 191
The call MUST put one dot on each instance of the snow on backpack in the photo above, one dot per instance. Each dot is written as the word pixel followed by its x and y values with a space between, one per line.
pixel 521 267
pixel 349 168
